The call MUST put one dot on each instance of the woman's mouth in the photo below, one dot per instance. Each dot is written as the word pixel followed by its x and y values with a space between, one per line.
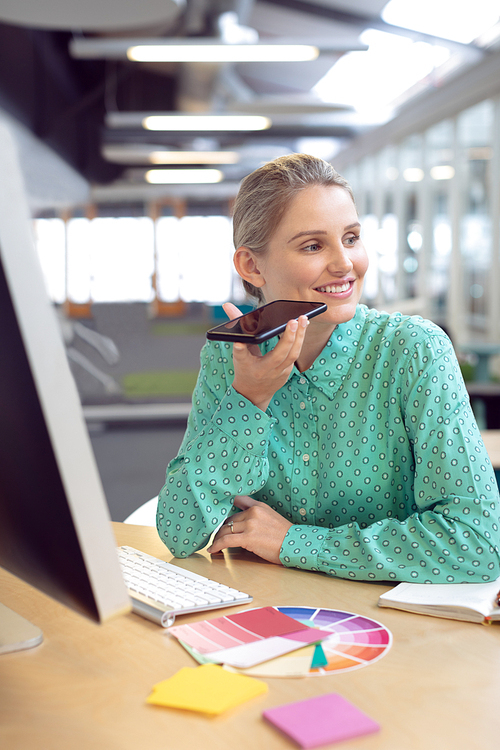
pixel 335 288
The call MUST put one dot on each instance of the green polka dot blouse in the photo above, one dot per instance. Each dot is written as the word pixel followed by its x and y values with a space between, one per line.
pixel 373 454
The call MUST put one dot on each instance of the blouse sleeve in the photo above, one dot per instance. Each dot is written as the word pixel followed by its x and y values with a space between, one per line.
pixel 452 534
pixel 223 454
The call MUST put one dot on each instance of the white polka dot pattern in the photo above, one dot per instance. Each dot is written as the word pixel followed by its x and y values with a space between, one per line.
pixel 373 454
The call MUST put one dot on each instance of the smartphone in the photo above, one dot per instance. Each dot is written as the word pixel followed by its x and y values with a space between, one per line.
pixel 264 322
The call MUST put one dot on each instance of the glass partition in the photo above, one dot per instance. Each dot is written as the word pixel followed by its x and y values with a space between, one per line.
pixel 439 166
pixel 475 132
pixel 411 234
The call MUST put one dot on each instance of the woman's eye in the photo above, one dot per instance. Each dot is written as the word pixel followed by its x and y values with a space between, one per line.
pixel 352 240
pixel 312 248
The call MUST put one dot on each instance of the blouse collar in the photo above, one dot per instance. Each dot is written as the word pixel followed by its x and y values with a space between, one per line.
pixel 330 368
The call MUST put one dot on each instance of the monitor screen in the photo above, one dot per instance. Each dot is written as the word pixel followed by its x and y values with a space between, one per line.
pixel 55 530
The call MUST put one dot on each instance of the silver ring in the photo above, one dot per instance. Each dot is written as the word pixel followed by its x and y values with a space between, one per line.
pixel 230 524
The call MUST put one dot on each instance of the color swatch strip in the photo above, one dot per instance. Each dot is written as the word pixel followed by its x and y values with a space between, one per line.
pixel 249 626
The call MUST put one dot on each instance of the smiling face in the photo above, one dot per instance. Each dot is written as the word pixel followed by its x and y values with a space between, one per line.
pixel 315 254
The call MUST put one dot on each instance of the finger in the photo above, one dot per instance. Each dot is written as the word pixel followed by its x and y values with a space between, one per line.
pixel 296 329
pixel 244 501
pixel 242 350
pixel 228 527
pixel 231 310
pixel 223 543
pixel 290 344
pixel 226 537
pixel 300 335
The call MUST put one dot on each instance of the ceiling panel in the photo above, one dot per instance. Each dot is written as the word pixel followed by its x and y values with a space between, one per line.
pixel 65 100
pixel 90 15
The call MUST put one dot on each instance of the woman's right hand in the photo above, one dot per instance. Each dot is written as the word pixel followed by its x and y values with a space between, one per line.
pixel 257 377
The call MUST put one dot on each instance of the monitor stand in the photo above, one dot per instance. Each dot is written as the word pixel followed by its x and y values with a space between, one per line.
pixel 16 633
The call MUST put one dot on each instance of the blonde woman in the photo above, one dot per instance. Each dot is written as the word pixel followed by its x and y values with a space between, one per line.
pixel 347 445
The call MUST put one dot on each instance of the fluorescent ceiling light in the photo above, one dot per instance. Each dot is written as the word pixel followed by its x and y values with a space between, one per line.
pixel 202 49
pixel 183 176
pixel 223 53
pixel 142 153
pixel 413 174
pixel 206 122
pixel 442 172
pixel 194 157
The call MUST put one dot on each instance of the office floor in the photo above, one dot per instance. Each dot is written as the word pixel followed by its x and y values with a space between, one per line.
pixel 144 345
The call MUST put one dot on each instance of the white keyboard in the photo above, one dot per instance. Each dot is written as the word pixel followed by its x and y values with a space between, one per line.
pixel 160 591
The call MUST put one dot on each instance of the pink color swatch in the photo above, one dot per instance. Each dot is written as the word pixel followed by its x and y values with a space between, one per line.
pixel 207 636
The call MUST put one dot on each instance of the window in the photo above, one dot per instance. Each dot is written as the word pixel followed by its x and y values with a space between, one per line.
pixel 113 259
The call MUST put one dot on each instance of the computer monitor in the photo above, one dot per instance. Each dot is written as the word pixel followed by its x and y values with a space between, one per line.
pixel 55 530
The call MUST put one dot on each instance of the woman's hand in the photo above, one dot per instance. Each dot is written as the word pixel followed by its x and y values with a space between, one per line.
pixel 257 528
pixel 257 377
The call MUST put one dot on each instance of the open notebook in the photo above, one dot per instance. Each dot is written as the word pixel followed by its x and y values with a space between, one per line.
pixel 473 602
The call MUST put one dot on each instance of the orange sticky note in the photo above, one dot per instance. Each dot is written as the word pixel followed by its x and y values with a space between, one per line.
pixel 208 688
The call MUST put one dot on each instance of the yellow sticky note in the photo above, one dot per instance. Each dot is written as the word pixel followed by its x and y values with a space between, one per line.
pixel 208 688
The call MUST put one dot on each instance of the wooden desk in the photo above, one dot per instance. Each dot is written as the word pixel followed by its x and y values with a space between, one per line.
pixel 84 688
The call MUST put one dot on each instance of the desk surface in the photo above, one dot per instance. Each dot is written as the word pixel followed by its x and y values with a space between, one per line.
pixel 86 685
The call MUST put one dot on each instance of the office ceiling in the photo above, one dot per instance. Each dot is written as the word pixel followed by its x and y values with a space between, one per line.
pixel 72 99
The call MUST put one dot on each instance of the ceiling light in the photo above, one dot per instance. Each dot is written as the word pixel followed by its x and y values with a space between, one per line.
pixel 200 49
pixel 143 153
pixel 442 172
pixel 223 53
pixel 206 123
pixel 413 174
pixel 183 176
pixel 194 157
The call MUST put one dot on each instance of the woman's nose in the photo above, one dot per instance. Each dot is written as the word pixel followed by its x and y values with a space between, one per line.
pixel 340 261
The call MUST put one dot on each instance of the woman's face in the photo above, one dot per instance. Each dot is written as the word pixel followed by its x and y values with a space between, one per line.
pixel 316 254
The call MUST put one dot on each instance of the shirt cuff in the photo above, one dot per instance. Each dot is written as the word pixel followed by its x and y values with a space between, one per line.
pixel 244 423
pixel 302 547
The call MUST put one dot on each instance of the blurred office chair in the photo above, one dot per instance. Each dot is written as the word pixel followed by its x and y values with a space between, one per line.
pixel 102 344
pixel 145 514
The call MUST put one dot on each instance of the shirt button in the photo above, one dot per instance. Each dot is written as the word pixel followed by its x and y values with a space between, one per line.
pixel 302 381
pixel 305 457
pixel 303 512
pixel 302 405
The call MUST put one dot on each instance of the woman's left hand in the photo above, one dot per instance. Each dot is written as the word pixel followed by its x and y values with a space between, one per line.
pixel 257 528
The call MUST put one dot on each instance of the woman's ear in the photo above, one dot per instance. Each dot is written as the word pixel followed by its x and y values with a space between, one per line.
pixel 245 263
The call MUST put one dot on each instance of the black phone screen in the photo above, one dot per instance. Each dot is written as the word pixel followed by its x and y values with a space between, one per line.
pixel 264 322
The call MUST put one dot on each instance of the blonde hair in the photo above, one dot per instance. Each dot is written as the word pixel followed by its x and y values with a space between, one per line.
pixel 265 194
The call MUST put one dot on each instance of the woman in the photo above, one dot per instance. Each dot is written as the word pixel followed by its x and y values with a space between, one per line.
pixel 347 445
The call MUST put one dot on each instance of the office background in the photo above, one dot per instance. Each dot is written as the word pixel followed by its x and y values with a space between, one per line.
pixel 405 103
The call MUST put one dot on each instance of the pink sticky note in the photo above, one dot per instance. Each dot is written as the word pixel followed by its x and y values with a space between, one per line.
pixel 321 720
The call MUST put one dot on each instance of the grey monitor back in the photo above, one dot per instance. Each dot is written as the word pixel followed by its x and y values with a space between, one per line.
pixel 55 530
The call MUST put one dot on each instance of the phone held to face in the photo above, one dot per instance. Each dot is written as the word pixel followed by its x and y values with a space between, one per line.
pixel 264 322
